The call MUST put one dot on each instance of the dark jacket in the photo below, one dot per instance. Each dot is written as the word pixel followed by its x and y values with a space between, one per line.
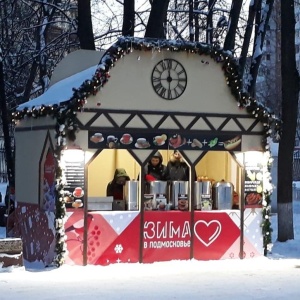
pixel 113 188
pixel 177 170
pixel 158 172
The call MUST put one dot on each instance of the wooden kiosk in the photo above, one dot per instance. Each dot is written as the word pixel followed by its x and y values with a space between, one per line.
pixel 111 115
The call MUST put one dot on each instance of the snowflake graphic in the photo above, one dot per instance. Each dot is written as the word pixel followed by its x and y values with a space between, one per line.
pixel 118 248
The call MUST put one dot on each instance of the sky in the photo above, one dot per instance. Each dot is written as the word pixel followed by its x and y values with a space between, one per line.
pixel 273 277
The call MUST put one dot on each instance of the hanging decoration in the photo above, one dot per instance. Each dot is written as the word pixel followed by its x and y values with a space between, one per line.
pixel 65 112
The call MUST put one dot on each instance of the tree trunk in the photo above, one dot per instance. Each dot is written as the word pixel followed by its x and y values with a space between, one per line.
pixel 128 18
pixel 247 36
pixel 196 20
pixel 233 24
pixel 290 91
pixel 85 27
pixel 258 45
pixel 29 81
pixel 158 15
pixel 209 27
pixel 191 21
pixel 5 127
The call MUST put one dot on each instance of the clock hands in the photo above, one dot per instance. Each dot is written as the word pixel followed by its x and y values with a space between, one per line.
pixel 169 79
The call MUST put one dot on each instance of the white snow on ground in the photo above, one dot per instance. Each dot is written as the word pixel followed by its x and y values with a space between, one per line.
pixel 273 277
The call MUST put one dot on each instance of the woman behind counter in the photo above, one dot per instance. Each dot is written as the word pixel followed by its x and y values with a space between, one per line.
pixel 116 186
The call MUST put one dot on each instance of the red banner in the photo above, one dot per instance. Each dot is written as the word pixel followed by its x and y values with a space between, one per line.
pixel 167 236
pixel 215 232
pixel 111 237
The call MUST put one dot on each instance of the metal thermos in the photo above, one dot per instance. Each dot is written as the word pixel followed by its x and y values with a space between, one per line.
pixel 179 190
pixel 222 194
pixel 158 187
pixel 159 190
pixel 131 194
pixel 203 198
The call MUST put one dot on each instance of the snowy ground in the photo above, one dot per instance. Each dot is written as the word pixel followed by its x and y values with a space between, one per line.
pixel 275 277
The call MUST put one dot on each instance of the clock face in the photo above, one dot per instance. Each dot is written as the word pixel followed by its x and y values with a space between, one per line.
pixel 169 79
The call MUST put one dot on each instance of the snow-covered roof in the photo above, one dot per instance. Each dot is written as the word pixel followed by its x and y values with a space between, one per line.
pixel 70 73
pixel 75 62
pixel 60 91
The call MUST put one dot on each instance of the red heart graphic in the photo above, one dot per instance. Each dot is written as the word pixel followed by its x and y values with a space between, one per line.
pixel 207 232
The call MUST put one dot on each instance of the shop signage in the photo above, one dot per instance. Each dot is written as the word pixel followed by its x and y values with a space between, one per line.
pixel 169 237
pixel 166 238
pixel 253 185
pixel 74 172
pixel 160 140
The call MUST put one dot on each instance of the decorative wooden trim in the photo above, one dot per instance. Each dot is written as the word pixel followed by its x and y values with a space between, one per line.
pixel 48 145
pixel 163 117
pixel 174 116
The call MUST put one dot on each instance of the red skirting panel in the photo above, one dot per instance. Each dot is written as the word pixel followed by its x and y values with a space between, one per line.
pixel 167 236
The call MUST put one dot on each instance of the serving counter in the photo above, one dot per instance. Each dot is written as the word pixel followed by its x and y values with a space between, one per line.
pixel 118 237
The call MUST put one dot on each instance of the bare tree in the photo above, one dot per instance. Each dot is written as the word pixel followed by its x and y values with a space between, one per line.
pixel 5 127
pixel 209 30
pixel 290 95
pixel 128 19
pixel 34 36
pixel 155 27
pixel 258 45
pixel 191 20
pixel 248 32
pixel 235 11
pixel 85 26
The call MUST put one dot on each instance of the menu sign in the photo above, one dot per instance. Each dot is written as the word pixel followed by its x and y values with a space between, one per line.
pixel 161 140
pixel 253 186
pixel 74 172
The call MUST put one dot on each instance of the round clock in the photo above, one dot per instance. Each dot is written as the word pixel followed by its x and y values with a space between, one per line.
pixel 169 79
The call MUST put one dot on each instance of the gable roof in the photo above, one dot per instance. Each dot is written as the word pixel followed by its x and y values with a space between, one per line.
pixel 60 91
pixel 75 62
pixel 66 106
